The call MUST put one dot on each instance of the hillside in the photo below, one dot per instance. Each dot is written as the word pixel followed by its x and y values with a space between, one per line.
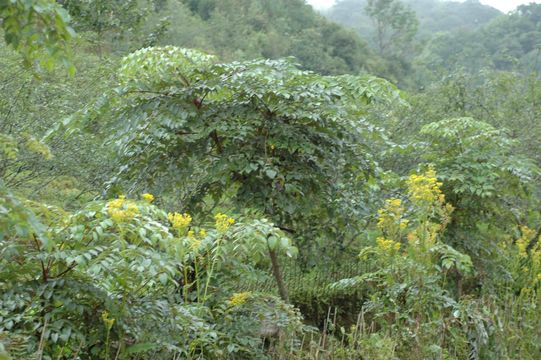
pixel 434 15
pixel 511 42
pixel 246 179
pixel 243 29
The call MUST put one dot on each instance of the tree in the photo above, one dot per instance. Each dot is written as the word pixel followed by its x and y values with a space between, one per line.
pixel 396 25
pixel 263 134
pixel 114 17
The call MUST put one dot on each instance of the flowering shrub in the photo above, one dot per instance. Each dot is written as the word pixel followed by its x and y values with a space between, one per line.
pixel 408 295
pixel 160 285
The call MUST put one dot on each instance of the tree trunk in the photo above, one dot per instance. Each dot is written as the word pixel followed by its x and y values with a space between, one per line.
pixel 278 276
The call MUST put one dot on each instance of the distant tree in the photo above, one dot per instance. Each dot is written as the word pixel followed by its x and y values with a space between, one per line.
pixel 114 17
pixel 396 24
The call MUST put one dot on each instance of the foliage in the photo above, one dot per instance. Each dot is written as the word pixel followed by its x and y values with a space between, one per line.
pixel 482 177
pixel 105 16
pixel 264 133
pixel 150 203
pixel 130 22
pixel 139 272
pixel 409 296
pixel 38 29
pixel 50 167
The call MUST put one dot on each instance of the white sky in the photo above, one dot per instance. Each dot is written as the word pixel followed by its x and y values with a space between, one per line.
pixel 503 5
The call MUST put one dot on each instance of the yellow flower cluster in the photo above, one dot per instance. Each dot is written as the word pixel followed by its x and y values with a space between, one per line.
pixel 425 188
pixel 524 240
pixel 404 224
pixel 223 222
pixel 238 299
pixel 179 221
pixel 117 203
pixel 147 197
pixel 122 210
pixel 391 215
pixel 387 245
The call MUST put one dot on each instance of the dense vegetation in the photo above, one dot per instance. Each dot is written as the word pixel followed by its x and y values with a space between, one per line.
pixel 451 36
pixel 235 179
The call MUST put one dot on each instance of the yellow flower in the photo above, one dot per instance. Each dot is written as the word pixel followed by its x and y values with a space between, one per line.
pixel 539 276
pixel 122 210
pixel 223 222
pixel 119 216
pixel 238 299
pixel 524 240
pixel 386 245
pixel 389 216
pixel 179 221
pixel 202 233
pixel 148 197
pixel 425 188
pixel 404 224
pixel 191 234
pixel 116 203
pixel 394 202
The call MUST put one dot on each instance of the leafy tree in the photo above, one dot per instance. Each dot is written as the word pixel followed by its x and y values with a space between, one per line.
pixel 262 133
pixel 105 17
pixel 412 266
pixel 396 24
pixel 509 43
pixel 119 26
pixel 434 15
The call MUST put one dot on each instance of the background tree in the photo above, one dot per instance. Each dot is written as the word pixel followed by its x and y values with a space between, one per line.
pixel 396 25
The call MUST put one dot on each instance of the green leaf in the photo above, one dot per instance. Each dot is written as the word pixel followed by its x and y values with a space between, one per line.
pixel 163 278
pixel 272 241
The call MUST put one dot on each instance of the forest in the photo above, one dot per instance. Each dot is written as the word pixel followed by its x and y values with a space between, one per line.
pixel 253 179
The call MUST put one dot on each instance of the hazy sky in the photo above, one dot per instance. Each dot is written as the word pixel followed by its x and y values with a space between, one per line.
pixel 503 5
